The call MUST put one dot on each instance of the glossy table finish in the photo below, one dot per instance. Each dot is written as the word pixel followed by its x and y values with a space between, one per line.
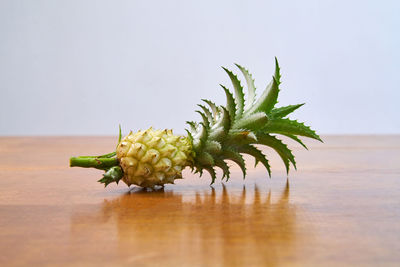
pixel 342 207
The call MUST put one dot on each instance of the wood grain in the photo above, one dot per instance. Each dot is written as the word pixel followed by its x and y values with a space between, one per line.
pixel 342 207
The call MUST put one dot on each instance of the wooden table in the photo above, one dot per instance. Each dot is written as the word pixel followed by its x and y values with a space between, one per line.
pixel 342 207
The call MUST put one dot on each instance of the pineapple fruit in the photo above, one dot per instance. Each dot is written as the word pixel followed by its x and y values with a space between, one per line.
pixel 157 157
pixel 151 158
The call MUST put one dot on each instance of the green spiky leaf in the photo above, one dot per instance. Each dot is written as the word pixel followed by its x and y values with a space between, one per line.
pixel 284 152
pixel 257 154
pixel 213 147
pixel 291 127
pixel 193 126
pixel 277 74
pixel 219 130
pixel 284 111
pixel 218 134
pixel 224 167
pixel 251 88
pixel 189 135
pixel 119 135
pixel 206 122
pixel 224 120
pixel 239 95
pixel 253 122
pixel 268 99
pixel 241 137
pixel 230 103
pixel 237 158
pixel 213 107
pixel 211 171
pixel 208 113
pixel 112 175
pixel 201 137
pixel 205 159
pixel 295 138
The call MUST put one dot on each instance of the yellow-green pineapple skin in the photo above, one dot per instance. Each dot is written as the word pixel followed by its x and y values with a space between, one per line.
pixel 153 157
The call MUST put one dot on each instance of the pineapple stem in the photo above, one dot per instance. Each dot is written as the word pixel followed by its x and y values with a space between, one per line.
pixel 93 162
pixel 109 155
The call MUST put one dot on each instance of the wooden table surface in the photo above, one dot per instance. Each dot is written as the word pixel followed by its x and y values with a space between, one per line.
pixel 341 208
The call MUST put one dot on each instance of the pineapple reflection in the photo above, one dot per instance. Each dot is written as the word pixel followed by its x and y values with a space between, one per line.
pixel 246 227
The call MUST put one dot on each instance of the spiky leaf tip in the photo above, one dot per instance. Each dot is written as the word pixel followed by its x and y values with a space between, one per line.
pixel 282 112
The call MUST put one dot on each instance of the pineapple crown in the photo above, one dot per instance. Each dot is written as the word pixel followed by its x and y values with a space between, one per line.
pixel 227 132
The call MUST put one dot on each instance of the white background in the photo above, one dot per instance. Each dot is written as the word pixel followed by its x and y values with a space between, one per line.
pixel 83 67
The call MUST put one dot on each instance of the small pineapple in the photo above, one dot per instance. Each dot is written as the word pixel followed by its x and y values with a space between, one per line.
pixel 156 157
pixel 151 158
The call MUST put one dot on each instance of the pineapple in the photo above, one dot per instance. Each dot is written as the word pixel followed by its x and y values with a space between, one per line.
pixel 151 158
pixel 157 157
